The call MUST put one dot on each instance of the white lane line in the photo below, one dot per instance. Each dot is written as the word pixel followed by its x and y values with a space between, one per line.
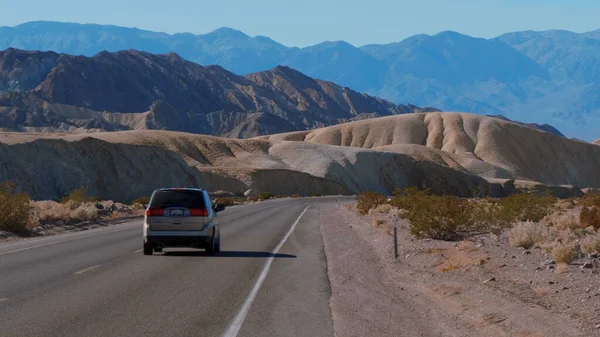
pixel 55 242
pixel 3 299
pixel 236 324
pixel 87 269
pixel 139 250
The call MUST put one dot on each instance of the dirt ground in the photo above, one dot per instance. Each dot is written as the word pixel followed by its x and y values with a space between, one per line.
pixel 482 287
pixel 63 227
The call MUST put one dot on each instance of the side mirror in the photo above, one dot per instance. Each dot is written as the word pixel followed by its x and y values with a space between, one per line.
pixel 219 207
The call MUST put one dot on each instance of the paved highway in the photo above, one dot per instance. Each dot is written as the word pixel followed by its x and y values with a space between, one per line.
pixel 98 282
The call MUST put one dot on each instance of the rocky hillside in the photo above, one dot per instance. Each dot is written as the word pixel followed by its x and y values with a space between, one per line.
pixel 126 165
pixel 46 91
pixel 452 153
pixel 485 146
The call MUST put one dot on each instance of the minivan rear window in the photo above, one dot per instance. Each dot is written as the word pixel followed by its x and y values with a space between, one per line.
pixel 182 198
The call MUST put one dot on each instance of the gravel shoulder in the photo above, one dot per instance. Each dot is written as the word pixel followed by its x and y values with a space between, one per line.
pixel 478 288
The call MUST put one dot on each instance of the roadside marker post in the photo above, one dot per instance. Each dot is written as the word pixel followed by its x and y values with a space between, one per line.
pixel 395 222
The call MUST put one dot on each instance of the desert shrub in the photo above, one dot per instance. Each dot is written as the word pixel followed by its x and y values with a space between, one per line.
pixel 295 196
pixel 528 206
pixel 14 209
pixel 369 200
pixel 410 198
pixel 490 215
pixel 225 201
pixel 266 196
pixel 447 217
pixel 566 252
pixel 78 196
pixel 441 217
pixel 591 244
pixel 590 216
pixel 526 234
pixel 141 201
pixel 591 199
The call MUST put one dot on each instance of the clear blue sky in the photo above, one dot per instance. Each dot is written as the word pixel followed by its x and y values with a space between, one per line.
pixel 306 22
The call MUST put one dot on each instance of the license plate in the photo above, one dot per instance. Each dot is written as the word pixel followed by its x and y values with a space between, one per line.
pixel 176 212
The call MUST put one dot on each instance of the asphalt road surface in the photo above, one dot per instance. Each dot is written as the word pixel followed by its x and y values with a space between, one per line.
pixel 99 283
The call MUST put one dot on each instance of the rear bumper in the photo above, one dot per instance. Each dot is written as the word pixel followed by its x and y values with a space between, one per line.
pixel 179 241
pixel 178 238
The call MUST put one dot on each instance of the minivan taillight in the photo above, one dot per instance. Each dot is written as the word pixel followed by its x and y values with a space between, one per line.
pixel 198 212
pixel 155 212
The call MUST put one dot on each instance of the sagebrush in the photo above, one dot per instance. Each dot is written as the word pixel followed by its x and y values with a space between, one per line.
pixel 453 218
pixel 369 200
pixel 14 208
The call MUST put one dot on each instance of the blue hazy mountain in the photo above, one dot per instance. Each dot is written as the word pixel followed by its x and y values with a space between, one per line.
pixel 550 77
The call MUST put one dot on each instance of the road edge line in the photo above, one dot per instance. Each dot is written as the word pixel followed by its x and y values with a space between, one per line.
pixel 236 324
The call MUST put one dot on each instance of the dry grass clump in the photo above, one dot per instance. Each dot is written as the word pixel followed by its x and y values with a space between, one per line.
pixel 85 211
pixel 591 244
pixel 377 222
pixel 14 209
pixel 563 220
pixel 566 252
pixel 49 210
pixel 461 256
pixel 527 234
pixel 382 209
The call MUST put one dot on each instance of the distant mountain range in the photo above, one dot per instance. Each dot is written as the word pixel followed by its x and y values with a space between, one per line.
pixel 550 77
pixel 125 90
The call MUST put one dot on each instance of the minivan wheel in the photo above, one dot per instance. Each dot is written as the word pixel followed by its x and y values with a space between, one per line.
pixel 212 247
pixel 147 248
pixel 218 246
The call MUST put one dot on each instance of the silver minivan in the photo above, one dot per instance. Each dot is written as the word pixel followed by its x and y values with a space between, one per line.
pixel 181 217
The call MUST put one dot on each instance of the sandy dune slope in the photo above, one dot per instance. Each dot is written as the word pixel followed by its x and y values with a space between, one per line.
pixel 125 165
pixel 485 146
pixel 597 142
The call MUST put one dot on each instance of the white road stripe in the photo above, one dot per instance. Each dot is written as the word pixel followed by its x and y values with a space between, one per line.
pixel 55 242
pixel 87 269
pixel 139 250
pixel 238 321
